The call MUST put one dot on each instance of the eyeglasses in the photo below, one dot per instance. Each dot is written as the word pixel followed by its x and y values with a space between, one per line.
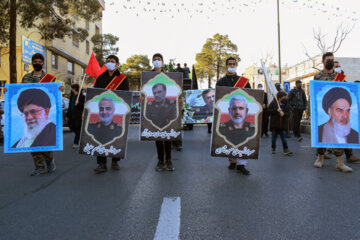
pixel 32 112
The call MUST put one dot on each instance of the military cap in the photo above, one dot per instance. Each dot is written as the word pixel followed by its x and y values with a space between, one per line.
pixel 33 96
pixel 333 95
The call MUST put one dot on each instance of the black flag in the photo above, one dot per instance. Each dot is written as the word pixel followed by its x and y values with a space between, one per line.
pixel 194 83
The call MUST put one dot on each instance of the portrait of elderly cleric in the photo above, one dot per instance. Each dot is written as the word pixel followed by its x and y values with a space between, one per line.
pixel 162 110
pixel 237 130
pixel 105 130
pixel 337 103
pixel 39 130
pixel 207 110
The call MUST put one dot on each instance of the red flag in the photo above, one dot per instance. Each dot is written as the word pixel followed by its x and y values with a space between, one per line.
pixel 93 67
pixel 102 70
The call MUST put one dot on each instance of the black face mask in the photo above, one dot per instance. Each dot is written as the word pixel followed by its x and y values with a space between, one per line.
pixel 329 64
pixel 37 66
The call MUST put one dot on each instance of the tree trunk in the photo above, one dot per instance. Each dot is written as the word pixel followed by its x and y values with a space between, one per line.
pixel 209 81
pixel 218 71
pixel 12 43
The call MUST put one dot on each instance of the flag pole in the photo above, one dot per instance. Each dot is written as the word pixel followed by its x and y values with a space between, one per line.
pixel 82 82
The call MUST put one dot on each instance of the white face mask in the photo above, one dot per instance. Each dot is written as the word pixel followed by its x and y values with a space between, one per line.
pixel 231 70
pixel 261 88
pixel 157 63
pixel 110 66
pixel 338 70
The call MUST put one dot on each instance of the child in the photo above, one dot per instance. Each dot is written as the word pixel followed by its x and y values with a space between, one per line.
pixel 279 121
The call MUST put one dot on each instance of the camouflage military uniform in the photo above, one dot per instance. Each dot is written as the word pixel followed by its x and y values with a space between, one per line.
pixel 39 157
pixel 328 77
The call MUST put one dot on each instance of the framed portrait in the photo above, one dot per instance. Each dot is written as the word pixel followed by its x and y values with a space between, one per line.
pixel 199 106
pixel 105 124
pixel 237 123
pixel 160 110
pixel 135 108
pixel 334 114
pixel 33 118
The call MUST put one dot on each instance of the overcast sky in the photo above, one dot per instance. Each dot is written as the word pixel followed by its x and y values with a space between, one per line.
pixel 179 28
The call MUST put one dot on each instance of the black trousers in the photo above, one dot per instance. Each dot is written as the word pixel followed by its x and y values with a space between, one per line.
pixel 348 152
pixel 265 122
pixel 163 148
pixel 101 160
pixel 77 135
pixel 297 116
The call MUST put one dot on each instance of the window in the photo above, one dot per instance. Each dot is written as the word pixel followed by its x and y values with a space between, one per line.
pixel 54 61
pixel 87 47
pixel 97 30
pixel 75 39
pixel 70 68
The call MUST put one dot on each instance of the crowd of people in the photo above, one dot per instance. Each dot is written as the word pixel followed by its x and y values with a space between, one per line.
pixel 284 111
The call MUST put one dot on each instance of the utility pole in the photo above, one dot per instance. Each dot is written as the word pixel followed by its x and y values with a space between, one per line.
pixel 278 22
pixel 12 42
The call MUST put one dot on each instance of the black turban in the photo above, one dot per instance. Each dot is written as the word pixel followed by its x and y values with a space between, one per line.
pixel 333 95
pixel 33 96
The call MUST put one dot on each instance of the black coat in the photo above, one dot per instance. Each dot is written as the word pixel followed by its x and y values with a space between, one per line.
pixel 104 79
pixel 277 122
pixel 75 118
pixel 229 81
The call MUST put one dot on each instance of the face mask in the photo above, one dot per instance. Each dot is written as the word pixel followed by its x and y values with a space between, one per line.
pixel 329 64
pixel 231 70
pixel 157 64
pixel 338 70
pixel 260 88
pixel 37 67
pixel 110 66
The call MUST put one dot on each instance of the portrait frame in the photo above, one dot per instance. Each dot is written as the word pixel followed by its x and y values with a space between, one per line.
pixel 13 114
pixel 225 142
pixel 102 144
pixel 194 107
pixel 319 117
pixel 171 130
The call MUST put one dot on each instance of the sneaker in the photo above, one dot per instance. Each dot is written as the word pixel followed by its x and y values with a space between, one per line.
pixel 299 139
pixel 38 170
pixel 160 166
pixel 101 168
pixel 232 166
pixel 287 152
pixel 273 151
pixel 115 166
pixel 169 166
pixel 75 146
pixel 51 166
pixel 243 170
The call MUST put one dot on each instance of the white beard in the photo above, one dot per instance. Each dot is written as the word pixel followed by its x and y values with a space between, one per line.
pixel 237 121
pixel 340 129
pixel 35 129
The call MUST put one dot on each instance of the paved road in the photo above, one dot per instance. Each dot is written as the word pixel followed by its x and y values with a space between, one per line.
pixel 284 198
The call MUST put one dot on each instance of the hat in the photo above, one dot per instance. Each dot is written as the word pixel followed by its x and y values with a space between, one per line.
pixel 33 96
pixel 333 95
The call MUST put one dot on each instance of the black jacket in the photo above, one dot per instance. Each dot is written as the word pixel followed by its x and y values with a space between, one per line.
pixel 229 81
pixel 75 118
pixel 277 122
pixel 297 99
pixel 104 79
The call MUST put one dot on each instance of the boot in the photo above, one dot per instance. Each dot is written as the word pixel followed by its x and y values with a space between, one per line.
pixel 115 165
pixel 352 159
pixel 160 166
pixel 169 166
pixel 319 161
pixel 101 168
pixel 340 165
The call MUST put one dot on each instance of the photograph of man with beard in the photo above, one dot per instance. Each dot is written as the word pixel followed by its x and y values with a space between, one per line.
pixel 337 103
pixel 207 110
pixel 162 110
pixel 237 130
pixel 106 130
pixel 35 104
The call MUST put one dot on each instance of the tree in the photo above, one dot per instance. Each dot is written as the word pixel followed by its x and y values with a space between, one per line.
pixel 133 67
pixel 342 31
pixel 104 45
pixel 211 59
pixel 51 18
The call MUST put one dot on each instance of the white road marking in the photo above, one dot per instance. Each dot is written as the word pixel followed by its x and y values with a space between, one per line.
pixel 169 221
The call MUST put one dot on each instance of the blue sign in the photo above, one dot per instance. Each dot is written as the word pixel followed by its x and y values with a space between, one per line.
pixel 29 48
pixel 287 87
